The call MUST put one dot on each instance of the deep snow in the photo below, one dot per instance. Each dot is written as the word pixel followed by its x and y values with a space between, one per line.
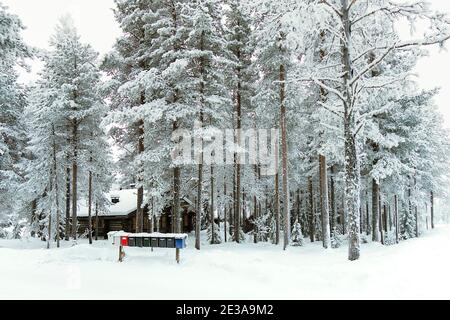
pixel 415 269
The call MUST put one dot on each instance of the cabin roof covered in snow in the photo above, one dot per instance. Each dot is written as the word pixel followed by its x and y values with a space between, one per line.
pixel 127 204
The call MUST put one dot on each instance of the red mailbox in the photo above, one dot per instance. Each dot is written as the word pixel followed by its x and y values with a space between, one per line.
pixel 124 241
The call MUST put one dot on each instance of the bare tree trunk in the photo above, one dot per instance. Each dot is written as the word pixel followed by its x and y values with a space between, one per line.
pixel 176 200
pixel 343 218
pixel 231 215
pixel 416 211
pixel 375 211
pixel 255 214
pixel 277 199
pixel 390 217
pixel 237 165
pixel 33 217
pixel 244 207
pixel 177 171
pixel 333 199
pixel 284 152
pixel 380 219
pixel 237 222
pixel 432 209
pixel 352 203
pixel 326 238
pixel 367 214
pixel 140 191
pixel 225 210
pixel 312 228
pixel 234 214
pixel 90 207
pixel 397 224
pixel 67 220
pixel 152 217
pixel 198 219
pixel 96 221
pixel 49 231
pixel 213 239
pixel 255 210
pixel 352 168
pixel 55 170
pixel 75 182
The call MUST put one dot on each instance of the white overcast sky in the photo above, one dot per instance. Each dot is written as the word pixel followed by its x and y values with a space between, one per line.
pixel 95 22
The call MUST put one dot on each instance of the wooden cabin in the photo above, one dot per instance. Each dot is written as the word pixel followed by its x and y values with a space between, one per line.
pixel 121 216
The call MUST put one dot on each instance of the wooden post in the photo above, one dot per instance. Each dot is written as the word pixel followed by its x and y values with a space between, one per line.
pixel 178 256
pixel 121 254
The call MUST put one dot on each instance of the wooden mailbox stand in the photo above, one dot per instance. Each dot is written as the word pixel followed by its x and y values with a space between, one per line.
pixel 151 241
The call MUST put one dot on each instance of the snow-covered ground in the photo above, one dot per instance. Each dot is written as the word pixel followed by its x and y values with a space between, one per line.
pixel 416 269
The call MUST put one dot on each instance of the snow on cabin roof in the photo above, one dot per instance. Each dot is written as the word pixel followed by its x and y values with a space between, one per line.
pixel 127 204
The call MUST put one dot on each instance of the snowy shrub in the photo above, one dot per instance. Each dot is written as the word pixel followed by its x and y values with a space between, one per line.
pixel 409 226
pixel 390 238
pixel 242 237
pixel 13 229
pixel 3 233
pixel 336 240
pixel 17 231
pixel 365 239
pixel 297 235
pixel 339 229
pixel 261 229
pixel 217 234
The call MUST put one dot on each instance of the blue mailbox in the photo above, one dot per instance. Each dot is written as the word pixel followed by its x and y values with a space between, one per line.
pixel 180 243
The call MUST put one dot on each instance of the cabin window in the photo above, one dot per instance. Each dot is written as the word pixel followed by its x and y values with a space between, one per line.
pixel 115 200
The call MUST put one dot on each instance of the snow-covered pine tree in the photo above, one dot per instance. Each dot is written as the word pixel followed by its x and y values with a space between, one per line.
pixel 13 51
pixel 205 49
pixel 297 235
pixel 214 234
pixel 241 78
pixel 64 117
pixel 131 91
pixel 341 18
pixel 45 171
pixel 99 165
pixel 274 29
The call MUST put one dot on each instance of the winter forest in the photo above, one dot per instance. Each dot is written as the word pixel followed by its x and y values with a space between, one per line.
pixel 359 151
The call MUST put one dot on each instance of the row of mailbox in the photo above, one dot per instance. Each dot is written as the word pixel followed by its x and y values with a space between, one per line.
pixel 152 242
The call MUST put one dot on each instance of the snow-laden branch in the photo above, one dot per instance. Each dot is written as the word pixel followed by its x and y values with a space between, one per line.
pixel 321 84
pixel 351 5
pixel 333 128
pixel 336 113
pixel 312 79
pixel 330 89
pixel 400 45
pixel 332 6
pixel 392 8
pixel 372 65
pixel 373 113
pixel 385 84
pixel 423 42
pixel 362 120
